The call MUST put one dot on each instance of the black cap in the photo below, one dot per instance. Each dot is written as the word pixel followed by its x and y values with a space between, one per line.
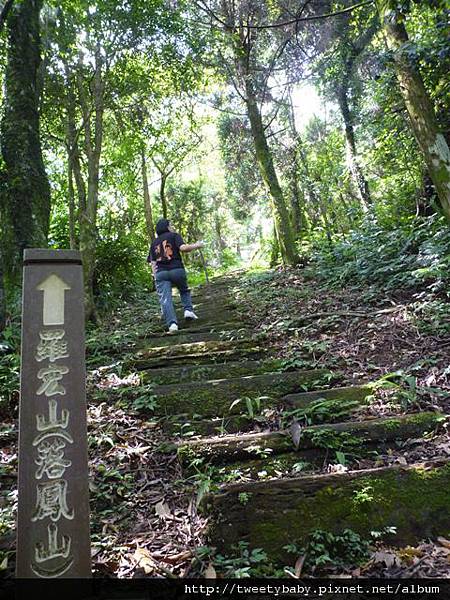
pixel 162 226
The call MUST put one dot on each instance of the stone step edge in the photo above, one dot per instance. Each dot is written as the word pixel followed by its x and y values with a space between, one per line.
pixel 320 480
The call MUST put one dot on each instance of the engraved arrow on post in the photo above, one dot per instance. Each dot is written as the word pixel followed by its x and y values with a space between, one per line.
pixel 54 288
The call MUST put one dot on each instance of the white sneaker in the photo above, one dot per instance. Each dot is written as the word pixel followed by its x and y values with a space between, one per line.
pixel 190 315
pixel 173 328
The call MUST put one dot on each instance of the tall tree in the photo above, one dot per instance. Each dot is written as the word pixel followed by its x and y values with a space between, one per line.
pixel 239 22
pixel 425 126
pixel 25 193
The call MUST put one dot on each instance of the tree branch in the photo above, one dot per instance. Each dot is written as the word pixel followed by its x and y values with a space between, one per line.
pixel 5 12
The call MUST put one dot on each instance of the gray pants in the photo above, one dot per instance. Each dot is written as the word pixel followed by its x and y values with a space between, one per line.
pixel 164 282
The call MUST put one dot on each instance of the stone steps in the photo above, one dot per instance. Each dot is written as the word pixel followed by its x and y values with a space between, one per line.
pixel 207 385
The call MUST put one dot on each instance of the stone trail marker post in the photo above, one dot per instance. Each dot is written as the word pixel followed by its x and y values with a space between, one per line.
pixel 53 505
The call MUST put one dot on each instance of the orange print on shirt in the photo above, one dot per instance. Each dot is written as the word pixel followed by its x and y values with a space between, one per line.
pixel 167 251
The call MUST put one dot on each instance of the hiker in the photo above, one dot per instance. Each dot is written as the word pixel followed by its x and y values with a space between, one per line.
pixel 168 270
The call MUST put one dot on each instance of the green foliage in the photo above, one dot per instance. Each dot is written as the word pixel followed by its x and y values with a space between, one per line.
pixel 333 440
pixel 413 255
pixel 323 411
pixel 145 403
pixel 121 269
pixel 9 369
pixel 328 549
pixel 243 563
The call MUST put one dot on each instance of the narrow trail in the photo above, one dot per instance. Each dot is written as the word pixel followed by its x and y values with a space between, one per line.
pixel 213 382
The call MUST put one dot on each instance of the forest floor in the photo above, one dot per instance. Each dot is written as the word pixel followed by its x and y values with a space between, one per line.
pixel 145 518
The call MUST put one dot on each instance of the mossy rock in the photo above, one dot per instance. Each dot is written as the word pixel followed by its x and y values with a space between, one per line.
pixel 412 499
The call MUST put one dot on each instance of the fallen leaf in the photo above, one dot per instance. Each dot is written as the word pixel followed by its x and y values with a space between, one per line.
pixel 162 510
pixel 299 565
pixel 210 572
pixel 144 560
pixel 388 558
pixel 295 430
pixel 173 558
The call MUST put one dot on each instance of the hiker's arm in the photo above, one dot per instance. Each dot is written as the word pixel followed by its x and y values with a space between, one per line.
pixel 190 247
pixel 153 265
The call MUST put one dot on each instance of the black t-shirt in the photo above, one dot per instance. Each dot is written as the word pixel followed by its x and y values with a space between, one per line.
pixel 165 251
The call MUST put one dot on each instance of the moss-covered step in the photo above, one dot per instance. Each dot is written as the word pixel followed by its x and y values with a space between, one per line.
pixel 200 327
pixel 347 436
pixel 193 337
pixel 357 393
pixel 323 407
pixel 188 373
pixel 196 353
pixel 220 397
pixel 271 514
pixel 194 327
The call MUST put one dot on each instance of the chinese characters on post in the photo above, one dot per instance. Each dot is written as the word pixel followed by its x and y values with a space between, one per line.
pixel 53 516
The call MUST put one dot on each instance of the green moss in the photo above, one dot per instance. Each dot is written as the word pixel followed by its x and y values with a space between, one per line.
pixel 391 424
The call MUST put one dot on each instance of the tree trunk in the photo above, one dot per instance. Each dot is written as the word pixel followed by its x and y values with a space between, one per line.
pixel 297 199
pixel 72 217
pixel 275 249
pixel 93 138
pixel 314 200
pixel 430 139
pixel 25 197
pixel 147 202
pixel 359 180
pixel 299 224
pixel 162 194
pixel 2 299
pixel 283 226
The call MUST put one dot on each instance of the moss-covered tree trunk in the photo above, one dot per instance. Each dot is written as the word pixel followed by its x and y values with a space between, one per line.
pixel 285 234
pixel 360 182
pixel 25 193
pixel 430 138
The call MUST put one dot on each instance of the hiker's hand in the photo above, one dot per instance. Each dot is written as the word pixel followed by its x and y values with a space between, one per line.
pixel 199 244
